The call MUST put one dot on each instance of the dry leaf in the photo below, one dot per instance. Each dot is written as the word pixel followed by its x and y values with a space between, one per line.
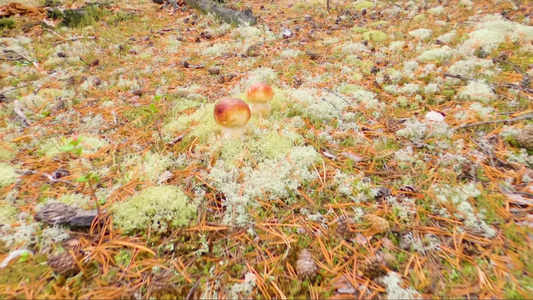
pixel 329 154
pixel 164 177
pixel 353 157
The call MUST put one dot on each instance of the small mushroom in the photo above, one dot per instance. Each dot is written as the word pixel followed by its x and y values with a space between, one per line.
pixel 259 96
pixel 232 115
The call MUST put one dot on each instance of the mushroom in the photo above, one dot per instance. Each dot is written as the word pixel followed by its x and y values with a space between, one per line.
pixel 232 115
pixel 259 95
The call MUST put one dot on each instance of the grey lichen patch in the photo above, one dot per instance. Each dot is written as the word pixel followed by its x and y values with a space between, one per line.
pixel 157 208
pixel 272 178
pixel 317 106
pixel 147 167
pixel 439 54
pixel 477 90
pixel 493 30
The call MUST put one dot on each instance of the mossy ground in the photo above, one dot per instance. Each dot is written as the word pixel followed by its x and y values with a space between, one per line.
pixel 137 82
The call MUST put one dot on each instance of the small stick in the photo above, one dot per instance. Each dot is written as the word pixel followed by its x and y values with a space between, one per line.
pixel 523 117
pixel 489 152
pixel 507 85
pixel 75 39
pixel 55 33
pixel 48 176
pixel 334 93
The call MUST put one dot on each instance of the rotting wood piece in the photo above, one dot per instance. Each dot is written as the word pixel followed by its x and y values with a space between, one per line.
pixel 63 214
pixel 227 15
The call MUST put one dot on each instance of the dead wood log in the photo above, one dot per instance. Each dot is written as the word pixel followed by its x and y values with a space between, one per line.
pixel 227 15
pixel 56 213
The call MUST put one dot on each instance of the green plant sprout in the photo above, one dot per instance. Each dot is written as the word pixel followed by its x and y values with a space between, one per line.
pixel 153 116
pixel 75 147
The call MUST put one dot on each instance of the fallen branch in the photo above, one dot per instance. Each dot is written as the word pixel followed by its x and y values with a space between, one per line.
pixel 48 176
pixel 492 155
pixel 506 85
pixel 523 117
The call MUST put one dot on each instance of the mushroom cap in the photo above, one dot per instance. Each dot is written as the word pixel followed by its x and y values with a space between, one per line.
pixel 259 92
pixel 231 112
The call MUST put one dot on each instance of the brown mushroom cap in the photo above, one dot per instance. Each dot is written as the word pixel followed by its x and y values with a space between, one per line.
pixel 259 92
pixel 232 112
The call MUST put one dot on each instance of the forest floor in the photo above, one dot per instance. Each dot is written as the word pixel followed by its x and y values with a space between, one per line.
pixel 385 170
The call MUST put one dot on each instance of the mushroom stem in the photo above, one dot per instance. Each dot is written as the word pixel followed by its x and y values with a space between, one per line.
pixel 233 132
pixel 260 108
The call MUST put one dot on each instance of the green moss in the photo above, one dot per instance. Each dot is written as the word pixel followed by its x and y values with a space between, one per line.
pixel 360 5
pixel 358 29
pixel 268 145
pixel 6 154
pixel 30 271
pixel 51 93
pixel 78 200
pixel 200 124
pixel 375 35
pixel 7 175
pixel 183 104
pixel 50 147
pixel 158 208
pixel 7 23
pixel 378 24
pixel 8 213
pixel 420 18
pixel 349 88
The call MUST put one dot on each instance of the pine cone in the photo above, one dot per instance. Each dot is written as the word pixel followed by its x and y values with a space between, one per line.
pixel 525 138
pixel 377 224
pixel 392 125
pixel 373 267
pixel 63 264
pixel 343 227
pixel 305 265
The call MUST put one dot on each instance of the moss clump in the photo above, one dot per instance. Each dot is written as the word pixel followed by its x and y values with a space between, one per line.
pixel 200 124
pixel 158 208
pixel 8 213
pixel 420 18
pixel 7 23
pixel 268 145
pixel 358 29
pixel 375 36
pixel 7 175
pixel 360 5
pixel 7 154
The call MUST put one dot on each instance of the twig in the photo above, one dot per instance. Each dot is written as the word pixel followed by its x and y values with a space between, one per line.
pixel 16 88
pixel 75 39
pixel 523 117
pixel 514 86
pixel 17 108
pixel 191 292
pixel 334 106
pixel 515 67
pixel 456 76
pixel 492 155
pixel 55 33
pixel 48 176
pixel 506 85
pixel 335 93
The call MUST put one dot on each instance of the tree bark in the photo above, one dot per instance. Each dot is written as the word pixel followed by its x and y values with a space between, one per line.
pixel 240 18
